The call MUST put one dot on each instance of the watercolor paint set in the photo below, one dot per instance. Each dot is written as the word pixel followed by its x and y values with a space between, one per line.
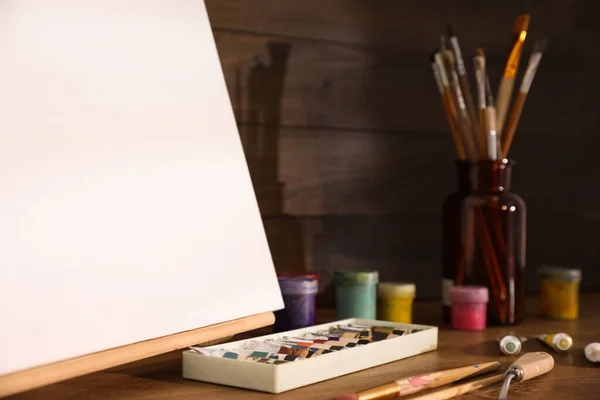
pixel 288 360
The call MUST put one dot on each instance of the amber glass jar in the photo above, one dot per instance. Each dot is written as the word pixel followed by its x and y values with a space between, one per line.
pixel 490 249
pixel 452 237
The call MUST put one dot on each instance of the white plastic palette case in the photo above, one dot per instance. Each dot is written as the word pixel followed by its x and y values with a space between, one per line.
pixel 277 378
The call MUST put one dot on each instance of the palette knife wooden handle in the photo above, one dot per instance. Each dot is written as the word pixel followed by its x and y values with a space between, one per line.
pixel 531 365
pixel 528 366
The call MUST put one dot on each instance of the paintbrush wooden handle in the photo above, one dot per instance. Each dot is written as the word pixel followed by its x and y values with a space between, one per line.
pixel 502 101
pixel 452 121
pixel 470 104
pixel 465 128
pixel 483 140
pixel 491 133
pixel 513 120
pixel 458 390
pixel 441 378
pixel 414 384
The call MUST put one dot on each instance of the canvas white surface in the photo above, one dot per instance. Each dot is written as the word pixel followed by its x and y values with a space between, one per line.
pixel 282 377
pixel 126 207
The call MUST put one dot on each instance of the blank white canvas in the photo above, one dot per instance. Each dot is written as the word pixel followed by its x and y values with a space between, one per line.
pixel 126 207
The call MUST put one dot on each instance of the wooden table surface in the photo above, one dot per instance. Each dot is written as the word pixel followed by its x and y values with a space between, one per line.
pixel 572 378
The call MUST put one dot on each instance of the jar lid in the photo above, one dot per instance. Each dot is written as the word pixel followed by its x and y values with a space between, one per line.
pixel 391 289
pixel 469 294
pixel 306 275
pixel 561 273
pixel 298 285
pixel 356 277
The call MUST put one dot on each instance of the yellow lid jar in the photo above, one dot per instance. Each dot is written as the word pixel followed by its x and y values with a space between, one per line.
pixel 559 292
pixel 396 301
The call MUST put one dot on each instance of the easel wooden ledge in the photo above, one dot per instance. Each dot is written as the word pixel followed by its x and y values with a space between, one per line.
pixel 21 381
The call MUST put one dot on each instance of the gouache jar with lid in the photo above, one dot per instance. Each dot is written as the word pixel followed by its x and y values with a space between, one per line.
pixel 559 292
pixel 396 301
pixel 299 295
pixel 305 275
pixel 356 294
pixel 469 307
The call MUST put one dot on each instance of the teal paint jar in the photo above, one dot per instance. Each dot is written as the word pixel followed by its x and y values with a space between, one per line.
pixel 356 294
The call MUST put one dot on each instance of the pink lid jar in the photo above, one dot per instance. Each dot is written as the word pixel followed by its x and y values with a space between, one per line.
pixel 469 305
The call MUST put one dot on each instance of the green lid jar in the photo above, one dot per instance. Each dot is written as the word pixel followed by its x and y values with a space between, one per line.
pixel 356 294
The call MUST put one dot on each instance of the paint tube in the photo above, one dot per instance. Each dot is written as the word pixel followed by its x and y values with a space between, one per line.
pixel 511 345
pixel 592 353
pixel 558 341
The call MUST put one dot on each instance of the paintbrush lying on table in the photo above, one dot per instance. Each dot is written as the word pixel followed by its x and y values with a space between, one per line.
pixel 528 366
pixel 417 383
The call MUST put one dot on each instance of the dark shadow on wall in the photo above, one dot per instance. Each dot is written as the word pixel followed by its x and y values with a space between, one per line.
pixel 260 131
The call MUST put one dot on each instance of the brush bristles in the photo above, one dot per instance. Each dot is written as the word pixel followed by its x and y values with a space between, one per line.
pixel 449 57
pixel 479 63
pixel 521 23
pixel 479 59
pixel 449 65
pixel 540 46
pixel 443 43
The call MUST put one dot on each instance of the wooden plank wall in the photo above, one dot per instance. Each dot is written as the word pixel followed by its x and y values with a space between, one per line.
pixel 348 146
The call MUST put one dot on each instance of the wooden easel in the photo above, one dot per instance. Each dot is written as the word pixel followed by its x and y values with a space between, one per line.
pixel 137 232
pixel 51 373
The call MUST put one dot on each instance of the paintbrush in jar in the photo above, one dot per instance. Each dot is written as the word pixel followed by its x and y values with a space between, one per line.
pixel 510 71
pixel 515 113
pixel 464 81
pixel 480 74
pixel 489 236
pixel 443 86
pixel 464 120
pixel 490 120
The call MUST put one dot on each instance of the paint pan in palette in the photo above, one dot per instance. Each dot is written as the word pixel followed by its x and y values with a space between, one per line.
pixel 249 355
pixel 288 360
